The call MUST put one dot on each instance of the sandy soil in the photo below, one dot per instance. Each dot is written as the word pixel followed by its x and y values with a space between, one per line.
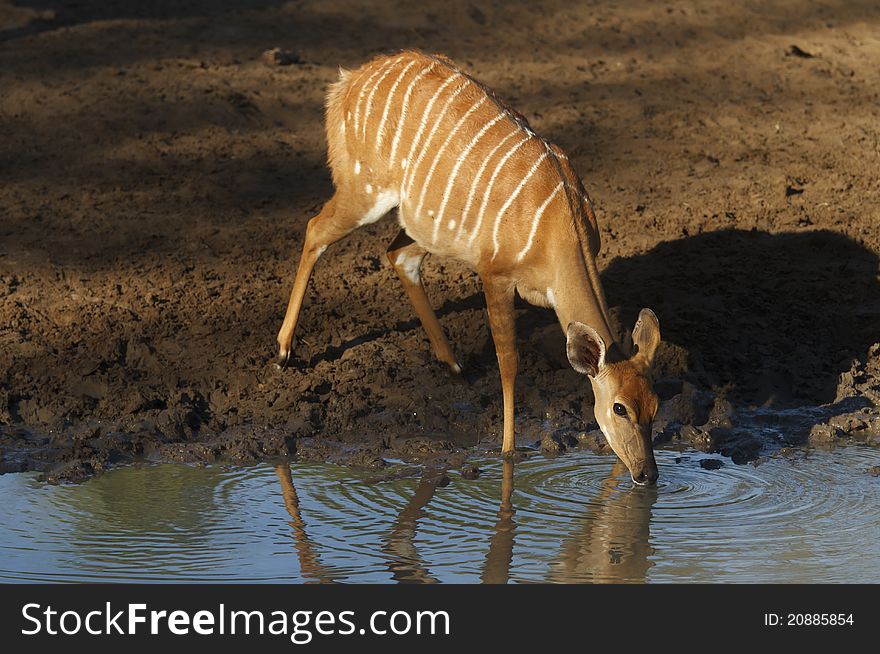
pixel 156 176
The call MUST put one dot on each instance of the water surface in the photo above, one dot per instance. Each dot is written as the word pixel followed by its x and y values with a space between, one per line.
pixel 576 518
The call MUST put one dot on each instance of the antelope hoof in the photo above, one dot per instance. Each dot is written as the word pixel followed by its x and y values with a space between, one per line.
pixel 283 359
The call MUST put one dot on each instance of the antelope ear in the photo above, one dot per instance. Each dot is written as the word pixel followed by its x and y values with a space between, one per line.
pixel 646 336
pixel 585 349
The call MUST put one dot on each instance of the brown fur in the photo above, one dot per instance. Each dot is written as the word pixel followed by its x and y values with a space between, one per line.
pixel 470 180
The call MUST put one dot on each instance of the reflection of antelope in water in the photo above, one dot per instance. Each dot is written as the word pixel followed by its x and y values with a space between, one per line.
pixel 612 544
pixel 404 561
pixel 496 570
pixel 310 567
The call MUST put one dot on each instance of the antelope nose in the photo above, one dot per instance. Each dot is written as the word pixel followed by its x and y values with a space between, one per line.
pixel 647 476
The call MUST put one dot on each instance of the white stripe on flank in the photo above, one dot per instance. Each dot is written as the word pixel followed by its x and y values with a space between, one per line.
pixel 491 183
pixel 510 201
pixel 538 214
pixel 370 97
pixel 412 171
pixel 357 107
pixel 380 133
pixel 423 123
pixel 470 198
pixel 454 174
pixel 403 109
pixel 427 181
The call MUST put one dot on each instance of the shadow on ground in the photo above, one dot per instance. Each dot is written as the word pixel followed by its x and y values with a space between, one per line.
pixel 776 318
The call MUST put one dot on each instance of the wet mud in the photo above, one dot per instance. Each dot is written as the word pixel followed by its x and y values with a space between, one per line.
pixel 159 162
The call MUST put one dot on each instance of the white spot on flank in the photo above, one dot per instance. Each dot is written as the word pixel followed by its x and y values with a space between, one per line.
pixel 439 154
pixel 430 212
pixel 426 180
pixel 451 224
pixel 551 298
pixel 369 188
pixel 357 167
pixel 385 201
pixel 461 157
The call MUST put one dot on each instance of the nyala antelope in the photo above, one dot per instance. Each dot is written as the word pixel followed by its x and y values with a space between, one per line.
pixel 471 180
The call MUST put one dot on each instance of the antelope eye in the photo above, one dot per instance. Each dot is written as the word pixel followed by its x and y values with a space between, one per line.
pixel 619 409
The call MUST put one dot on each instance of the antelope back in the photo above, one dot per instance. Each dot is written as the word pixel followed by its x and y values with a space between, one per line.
pixel 470 177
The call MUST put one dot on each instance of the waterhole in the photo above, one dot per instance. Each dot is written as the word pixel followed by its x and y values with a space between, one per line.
pixel 812 517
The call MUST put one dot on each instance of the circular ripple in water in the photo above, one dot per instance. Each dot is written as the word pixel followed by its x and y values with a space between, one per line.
pixel 575 518
pixel 580 518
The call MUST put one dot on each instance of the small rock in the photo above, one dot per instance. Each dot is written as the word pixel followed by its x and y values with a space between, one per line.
pixel 874 471
pixel 470 472
pixel 476 15
pixel 697 438
pixel 279 57
pixel 711 464
pixel 688 407
pixel 551 445
pixel 798 52
pixel 593 440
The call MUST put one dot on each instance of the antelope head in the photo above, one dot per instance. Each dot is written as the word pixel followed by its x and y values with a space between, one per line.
pixel 625 403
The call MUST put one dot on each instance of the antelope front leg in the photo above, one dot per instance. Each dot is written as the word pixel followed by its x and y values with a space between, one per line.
pixel 499 302
pixel 337 219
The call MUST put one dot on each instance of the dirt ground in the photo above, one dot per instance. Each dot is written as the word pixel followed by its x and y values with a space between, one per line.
pixel 157 174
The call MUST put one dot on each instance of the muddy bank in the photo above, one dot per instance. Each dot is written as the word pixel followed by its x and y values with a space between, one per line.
pixel 157 173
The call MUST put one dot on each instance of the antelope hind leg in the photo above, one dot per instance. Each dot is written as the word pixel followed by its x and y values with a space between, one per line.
pixel 406 258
